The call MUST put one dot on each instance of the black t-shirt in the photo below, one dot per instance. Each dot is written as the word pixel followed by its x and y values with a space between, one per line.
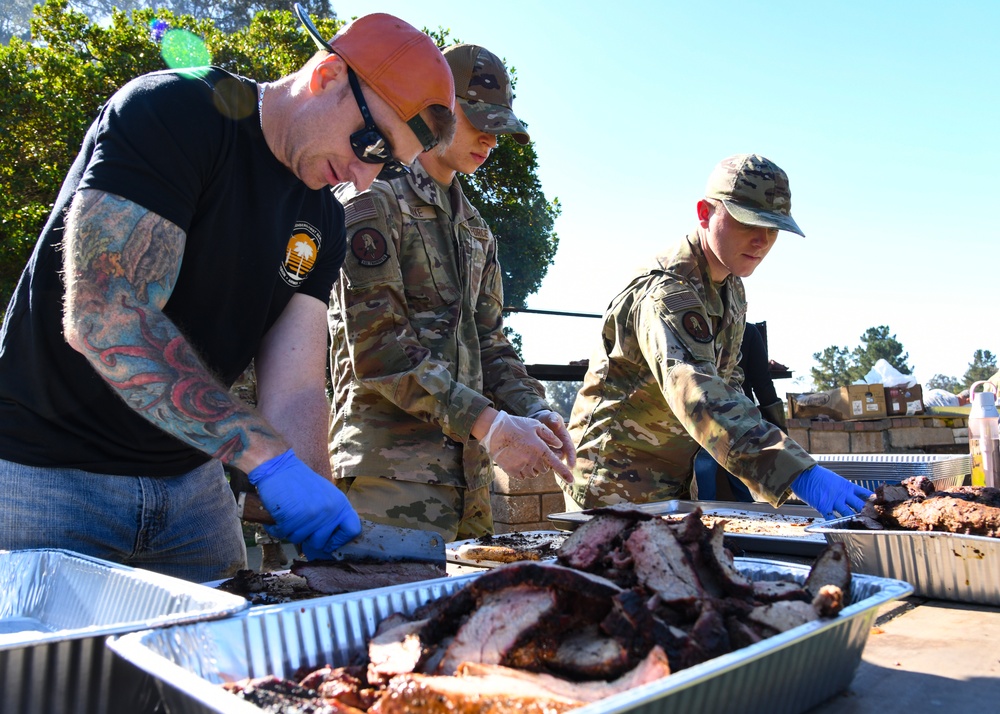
pixel 190 149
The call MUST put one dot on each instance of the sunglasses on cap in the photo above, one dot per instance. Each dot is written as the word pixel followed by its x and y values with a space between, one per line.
pixel 369 144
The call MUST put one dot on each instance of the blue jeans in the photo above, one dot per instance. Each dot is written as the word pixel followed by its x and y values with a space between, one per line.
pixel 184 526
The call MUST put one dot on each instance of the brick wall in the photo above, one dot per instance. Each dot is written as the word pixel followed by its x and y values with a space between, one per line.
pixel 524 504
pixel 894 435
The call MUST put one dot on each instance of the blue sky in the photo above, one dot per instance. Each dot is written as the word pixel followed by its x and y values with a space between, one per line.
pixel 885 116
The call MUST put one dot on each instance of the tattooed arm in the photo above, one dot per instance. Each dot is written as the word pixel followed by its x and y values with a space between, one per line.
pixel 121 264
pixel 291 380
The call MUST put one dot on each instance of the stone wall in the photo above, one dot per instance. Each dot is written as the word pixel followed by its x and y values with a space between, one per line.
pixel 893 435
pixel 524 504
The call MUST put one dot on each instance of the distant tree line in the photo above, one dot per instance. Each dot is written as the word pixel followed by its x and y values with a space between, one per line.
pixel 840 366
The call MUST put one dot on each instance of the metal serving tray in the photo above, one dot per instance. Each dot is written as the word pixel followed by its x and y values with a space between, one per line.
pixel 873 470
pixel 790 672
pixel 947 566
pixel 806 545
pixel 58 607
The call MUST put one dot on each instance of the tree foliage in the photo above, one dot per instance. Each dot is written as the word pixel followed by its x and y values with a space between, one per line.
pixel 561 395
pixel 839 367
pixel 941 381
pixel 982 367
pixel 833 370
pixel 54 85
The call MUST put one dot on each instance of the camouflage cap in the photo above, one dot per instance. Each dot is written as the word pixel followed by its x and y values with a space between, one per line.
pixel 482 86
pixel 754 191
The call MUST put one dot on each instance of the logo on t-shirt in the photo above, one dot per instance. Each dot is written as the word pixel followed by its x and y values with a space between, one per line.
pixel 300 254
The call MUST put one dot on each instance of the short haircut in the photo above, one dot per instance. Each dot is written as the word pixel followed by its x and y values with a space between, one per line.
pixel 441 121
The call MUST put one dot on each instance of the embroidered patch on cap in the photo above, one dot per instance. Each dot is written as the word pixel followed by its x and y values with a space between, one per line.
pixel 369 247
pixel 696 326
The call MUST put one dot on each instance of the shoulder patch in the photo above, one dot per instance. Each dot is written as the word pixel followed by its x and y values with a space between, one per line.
pixel 681 300
pixel 369 247
pixel 360 209
pixel 696 325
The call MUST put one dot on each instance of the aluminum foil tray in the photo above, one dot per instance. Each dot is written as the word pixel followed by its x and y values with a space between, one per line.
pixel 947 566
pixel 58 607
pixel 792 518
pixel 873 470
pixel 790 672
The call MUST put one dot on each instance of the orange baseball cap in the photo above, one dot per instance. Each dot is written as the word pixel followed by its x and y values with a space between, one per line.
pixel 399 62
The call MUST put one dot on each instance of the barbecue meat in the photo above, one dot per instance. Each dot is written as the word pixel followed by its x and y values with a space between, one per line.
pixel 832 567
pixel 334 576
pixel 592 541
pixel 943 512
pixel 661 563
pixel 490 694
pixel 915 505
pixel 502 619
pixel 651 668
pixel 589 654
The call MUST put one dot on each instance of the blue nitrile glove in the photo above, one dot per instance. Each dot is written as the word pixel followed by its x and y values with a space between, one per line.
pixel 829 493
pixel 307 509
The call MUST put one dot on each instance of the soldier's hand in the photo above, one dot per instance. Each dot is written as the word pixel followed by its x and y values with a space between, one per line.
pixel 829 493
pixel 554 421
pixel 524 447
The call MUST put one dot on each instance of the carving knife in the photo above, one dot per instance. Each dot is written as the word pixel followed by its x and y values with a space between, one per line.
pixel 376 542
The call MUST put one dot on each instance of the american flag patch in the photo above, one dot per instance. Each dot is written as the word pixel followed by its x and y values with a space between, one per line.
pixel 359 210
pixel 683 300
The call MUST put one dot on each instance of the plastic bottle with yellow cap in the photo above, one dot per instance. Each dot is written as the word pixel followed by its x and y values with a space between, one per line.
pixel 984 435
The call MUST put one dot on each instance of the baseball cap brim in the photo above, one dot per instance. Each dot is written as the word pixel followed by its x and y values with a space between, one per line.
pixel 758 217
pixel 494 119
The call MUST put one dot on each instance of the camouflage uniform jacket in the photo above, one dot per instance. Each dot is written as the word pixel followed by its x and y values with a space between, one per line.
pixel 417 337
pixel 665 381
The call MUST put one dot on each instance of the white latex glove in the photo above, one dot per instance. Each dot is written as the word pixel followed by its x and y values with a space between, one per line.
pixel 524 447
pixel 554 421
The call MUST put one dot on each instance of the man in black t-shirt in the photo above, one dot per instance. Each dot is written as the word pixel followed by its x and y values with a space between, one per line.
pixel 194 233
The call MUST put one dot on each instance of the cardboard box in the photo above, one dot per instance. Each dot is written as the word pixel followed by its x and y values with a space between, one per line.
pixel 907 401
pixel 857 401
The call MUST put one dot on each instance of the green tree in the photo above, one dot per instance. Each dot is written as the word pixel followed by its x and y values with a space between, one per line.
pixel 833 370
pixel 940 381
pixel 877 344
pixel 561 395
pixel 54 86
pixel 982 367
pixel 839 366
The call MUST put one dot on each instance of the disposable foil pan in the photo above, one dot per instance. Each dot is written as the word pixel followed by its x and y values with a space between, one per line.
pixel 948 566
pixel 873 470
pixel 58 607
pixel 800 544
pixel 790 672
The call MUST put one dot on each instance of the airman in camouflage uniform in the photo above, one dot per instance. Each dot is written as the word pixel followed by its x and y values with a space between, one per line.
pixel 666 378
pixel 418 352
